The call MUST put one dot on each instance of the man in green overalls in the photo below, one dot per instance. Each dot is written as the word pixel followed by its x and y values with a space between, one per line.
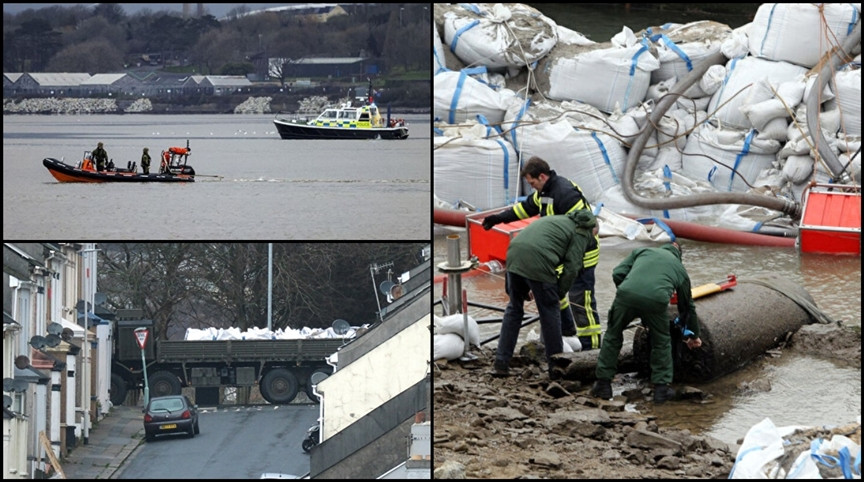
pixel 646 279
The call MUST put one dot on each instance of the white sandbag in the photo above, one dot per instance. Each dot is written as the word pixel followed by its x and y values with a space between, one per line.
pixel 456 324
pixel 572 37
pixel 800 33
pixel 609 78
pixel 680 47
pixel 766 102
pixel 849 100
pixel 438 61
pixel 499 36
pixel 737 149
pixel 448 346
pixel 756 456
pixel 459 97
pixel 798 169
pixel 571 344
pixel 481 172
pixel 614 225
pixel 655 184
pixel 741 75
pixel 594 161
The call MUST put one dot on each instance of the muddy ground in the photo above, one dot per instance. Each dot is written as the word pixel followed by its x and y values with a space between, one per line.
pixel 528 426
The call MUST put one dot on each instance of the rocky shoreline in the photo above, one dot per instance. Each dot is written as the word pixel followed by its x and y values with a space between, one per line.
pixel 528 426
pixel 251 105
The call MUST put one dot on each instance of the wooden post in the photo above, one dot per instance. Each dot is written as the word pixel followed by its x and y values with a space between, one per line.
pixel 50 451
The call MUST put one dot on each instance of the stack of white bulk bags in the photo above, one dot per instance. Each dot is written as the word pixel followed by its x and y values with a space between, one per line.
pixel 848 86
pixel 711 153
pixel 460 97
pixel 611 76
pixel 499 37
pixel 741 75
pixel 680 47
pixel 800 33
pixel 471 168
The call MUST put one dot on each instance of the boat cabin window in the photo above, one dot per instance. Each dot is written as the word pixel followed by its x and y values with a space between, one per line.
pixel 364 117
pixel 329 114
pixel 346 114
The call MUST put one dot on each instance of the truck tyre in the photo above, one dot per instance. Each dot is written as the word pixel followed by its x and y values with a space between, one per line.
pixel 164 383
pixel 309 393
pixel 279 386
pixel 118 390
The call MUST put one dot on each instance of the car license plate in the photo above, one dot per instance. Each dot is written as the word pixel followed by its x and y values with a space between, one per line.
pixel 169 426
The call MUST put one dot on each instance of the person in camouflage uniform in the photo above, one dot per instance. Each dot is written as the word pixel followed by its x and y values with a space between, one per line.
pixel 100 157
pixel 145 160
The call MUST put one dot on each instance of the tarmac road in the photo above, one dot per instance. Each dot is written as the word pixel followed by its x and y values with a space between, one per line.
pixel 235 442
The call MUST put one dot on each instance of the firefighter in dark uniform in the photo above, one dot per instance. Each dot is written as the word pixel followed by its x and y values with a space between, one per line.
pixel 145 160
pixel 100 157
pixel 554 194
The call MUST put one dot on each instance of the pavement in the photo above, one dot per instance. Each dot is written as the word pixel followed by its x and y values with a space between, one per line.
pixel 111 442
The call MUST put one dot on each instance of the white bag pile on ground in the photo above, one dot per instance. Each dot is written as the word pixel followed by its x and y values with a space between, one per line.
pixel 256 333
pixel 470 168
pixel 448 340
pixel 767 452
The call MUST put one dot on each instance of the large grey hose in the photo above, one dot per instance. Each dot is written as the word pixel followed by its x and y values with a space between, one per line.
pixel 816 134
pixel 778 204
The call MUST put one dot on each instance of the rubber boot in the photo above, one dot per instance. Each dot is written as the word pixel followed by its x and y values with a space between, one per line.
pixel 602 389
pixel 662 393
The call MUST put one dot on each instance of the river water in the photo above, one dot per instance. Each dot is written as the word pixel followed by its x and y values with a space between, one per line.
pixel 260 186
pixel 805 390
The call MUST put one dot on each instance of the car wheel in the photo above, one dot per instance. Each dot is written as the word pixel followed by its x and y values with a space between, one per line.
pixel 197 430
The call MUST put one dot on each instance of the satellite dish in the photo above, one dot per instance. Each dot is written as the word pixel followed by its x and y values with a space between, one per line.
pixel 317 377
pixel 53 340
pixel 66 335
pixel 341 327
pixel 55 328
pixel 7 401
pixel 8 384
pixel 99 298
pixel 385 286
pixel 38 342
pixel 22 362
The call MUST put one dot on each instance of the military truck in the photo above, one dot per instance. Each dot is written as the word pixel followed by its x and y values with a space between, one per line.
pixel 280 368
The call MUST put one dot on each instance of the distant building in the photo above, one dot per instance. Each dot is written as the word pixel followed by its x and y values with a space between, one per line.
pixel 326 67
pixel 102 84
pixel 64 84
pixel 227 84
pixel 9 80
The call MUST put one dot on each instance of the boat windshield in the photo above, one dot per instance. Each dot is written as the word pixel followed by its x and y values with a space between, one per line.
pixel 346 114
pixel 329 114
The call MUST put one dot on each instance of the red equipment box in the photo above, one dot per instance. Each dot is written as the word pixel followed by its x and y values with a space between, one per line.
pixel 831 220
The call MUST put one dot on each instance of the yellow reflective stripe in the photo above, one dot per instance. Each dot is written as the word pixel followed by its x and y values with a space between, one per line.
pixel 591 258
pixel 559 269
pixel 564 303
pixel 593 330
pixel 520 211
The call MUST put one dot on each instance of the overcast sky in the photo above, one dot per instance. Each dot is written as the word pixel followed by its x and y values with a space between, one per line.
pixel 216 9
